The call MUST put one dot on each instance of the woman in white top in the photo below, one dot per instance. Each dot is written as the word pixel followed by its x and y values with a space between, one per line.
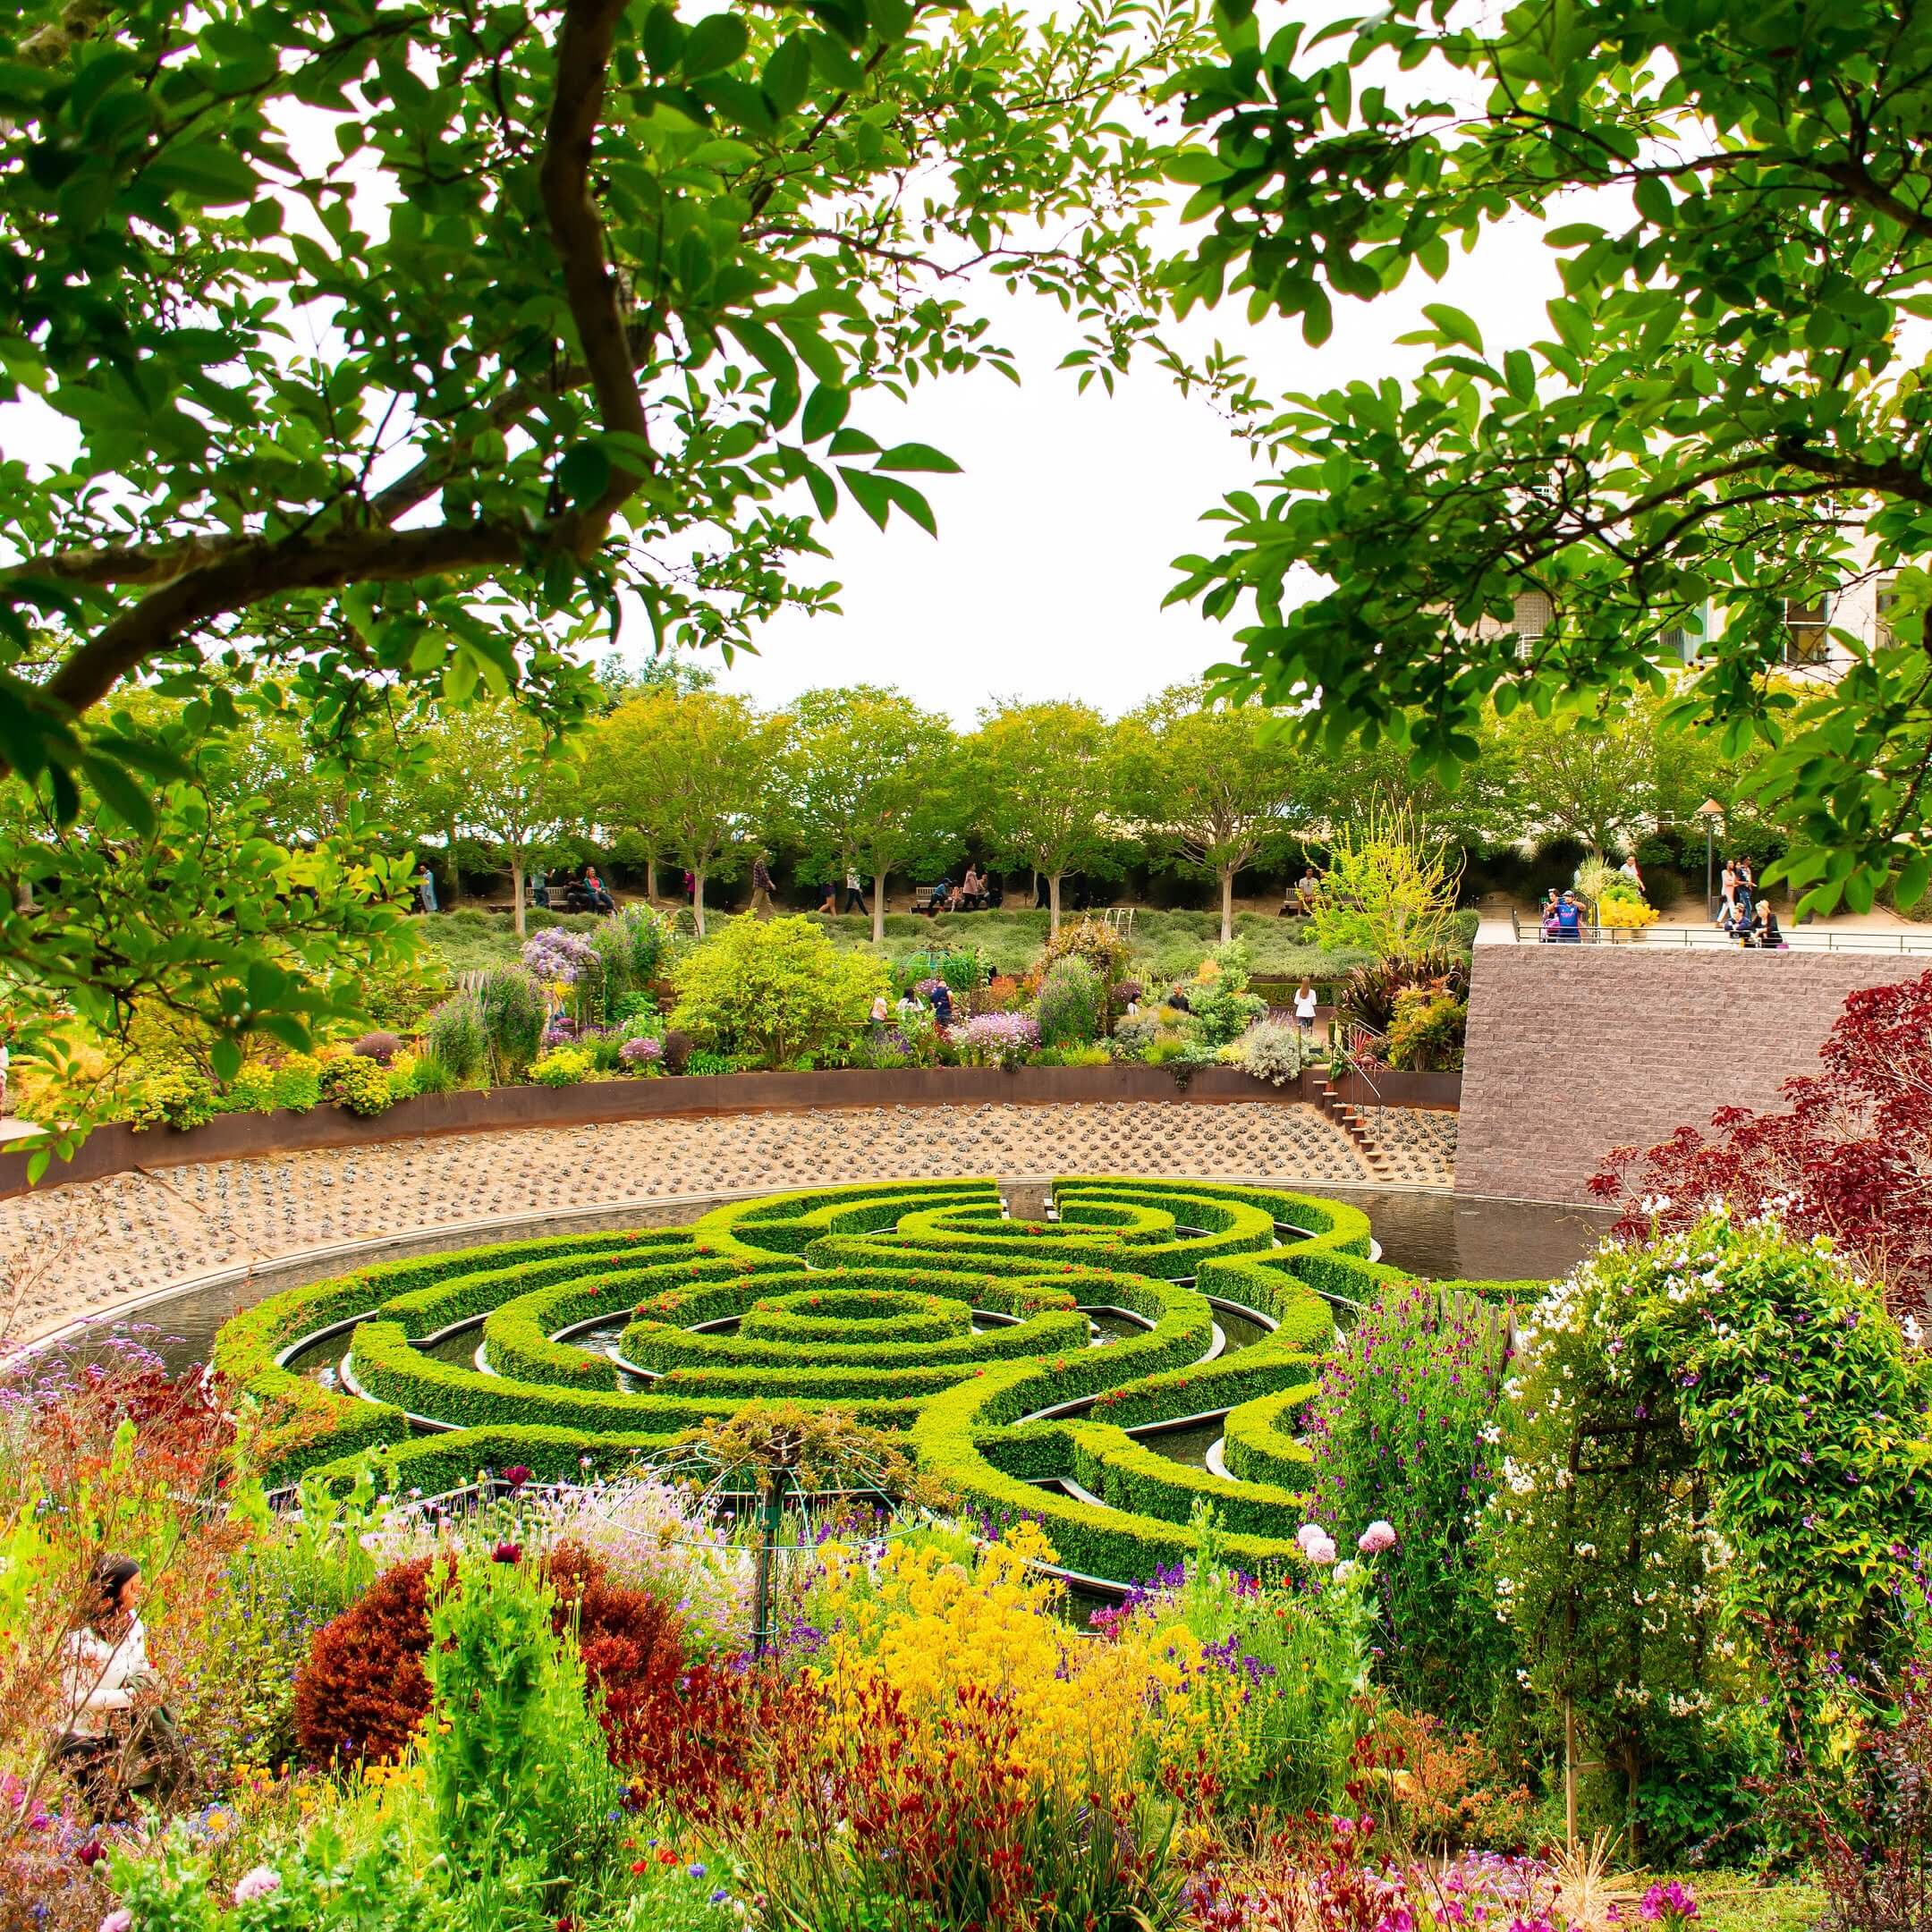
pixel 115 1730
pixel 1304 1006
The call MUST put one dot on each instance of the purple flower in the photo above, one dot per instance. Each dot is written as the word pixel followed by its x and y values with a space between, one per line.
pixel 556 953
pixel 1377 1537
pixel 644 1052
pixel 118 1921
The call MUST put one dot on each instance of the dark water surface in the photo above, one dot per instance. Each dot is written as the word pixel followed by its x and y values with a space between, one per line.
pixel 1427 1233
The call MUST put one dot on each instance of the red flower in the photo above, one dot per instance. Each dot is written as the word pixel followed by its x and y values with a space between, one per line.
pixel 639 1867
pixel 516 1475
pixel 507 1553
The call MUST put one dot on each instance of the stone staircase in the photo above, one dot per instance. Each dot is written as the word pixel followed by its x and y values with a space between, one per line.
pixel 1348 1118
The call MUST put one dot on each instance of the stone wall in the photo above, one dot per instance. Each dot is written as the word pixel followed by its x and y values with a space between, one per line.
pixel 1574 1050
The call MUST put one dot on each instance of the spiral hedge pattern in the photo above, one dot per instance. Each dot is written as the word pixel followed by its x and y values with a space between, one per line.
pixel 918 1306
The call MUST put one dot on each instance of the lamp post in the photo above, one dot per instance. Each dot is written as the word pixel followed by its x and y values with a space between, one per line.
pixel 1710 811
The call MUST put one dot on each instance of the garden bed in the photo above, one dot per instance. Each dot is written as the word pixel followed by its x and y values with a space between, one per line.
pixel 123 1149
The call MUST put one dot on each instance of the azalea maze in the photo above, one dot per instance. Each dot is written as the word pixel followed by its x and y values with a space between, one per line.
pixel 1035 1367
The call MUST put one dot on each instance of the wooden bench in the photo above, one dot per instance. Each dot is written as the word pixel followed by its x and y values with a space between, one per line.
pixel 922 899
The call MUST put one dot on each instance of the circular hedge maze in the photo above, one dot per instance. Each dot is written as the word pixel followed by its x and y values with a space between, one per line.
pixel 1038 1367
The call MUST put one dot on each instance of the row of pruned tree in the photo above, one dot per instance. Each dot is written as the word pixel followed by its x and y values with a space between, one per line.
pixel 862 781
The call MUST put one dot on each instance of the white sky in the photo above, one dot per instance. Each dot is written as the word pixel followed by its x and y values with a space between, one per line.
pixel 1054 546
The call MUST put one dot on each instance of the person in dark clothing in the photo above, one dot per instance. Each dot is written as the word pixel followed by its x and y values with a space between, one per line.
pixel 942 1003
pixel 763 890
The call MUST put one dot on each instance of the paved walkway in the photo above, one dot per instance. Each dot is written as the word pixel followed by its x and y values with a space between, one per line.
pixel 81 1250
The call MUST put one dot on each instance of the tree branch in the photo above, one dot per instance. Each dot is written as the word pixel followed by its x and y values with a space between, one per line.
pixel 583 65
pixel 270 567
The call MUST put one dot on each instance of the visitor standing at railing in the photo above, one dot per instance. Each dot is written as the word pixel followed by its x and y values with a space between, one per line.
pixel 1570 920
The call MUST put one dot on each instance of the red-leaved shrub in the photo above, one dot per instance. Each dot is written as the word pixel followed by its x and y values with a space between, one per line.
pixel 363 1694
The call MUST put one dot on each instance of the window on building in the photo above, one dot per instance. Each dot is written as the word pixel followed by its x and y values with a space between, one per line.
pixel 1805 627
pixel 1887 597
pixel 1532 617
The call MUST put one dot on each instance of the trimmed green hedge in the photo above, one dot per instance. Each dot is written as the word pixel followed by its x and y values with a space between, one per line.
pixel 861 1297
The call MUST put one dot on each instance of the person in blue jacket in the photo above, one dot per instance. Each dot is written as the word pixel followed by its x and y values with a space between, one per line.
pixel 1569 920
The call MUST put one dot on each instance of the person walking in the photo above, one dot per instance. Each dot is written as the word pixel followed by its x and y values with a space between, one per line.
pixel 426 893
pixel 1304 1006
pixel 763 891
pixel 1628 870
pixel 1727 885
pixel 855 895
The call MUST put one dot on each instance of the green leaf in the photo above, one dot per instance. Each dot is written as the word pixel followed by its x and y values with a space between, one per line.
pixel 1453 324
pixel 825 411
pixel 118 791
pixel 205 171
pixel 584 472
pixel 918 456
pixel 716 42
pixel 1913 877
pixel 787 74
pixel 663 40
pixel 224 1056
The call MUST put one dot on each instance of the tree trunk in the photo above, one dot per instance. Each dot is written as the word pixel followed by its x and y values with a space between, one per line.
pixel 455 869
pixel 1227 904
pixel 878 909
pixel 1053 906
pixel 516 886
pixel 696 900
pixel 650 880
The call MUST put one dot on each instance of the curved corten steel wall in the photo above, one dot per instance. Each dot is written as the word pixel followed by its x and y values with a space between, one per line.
pixel 119 1149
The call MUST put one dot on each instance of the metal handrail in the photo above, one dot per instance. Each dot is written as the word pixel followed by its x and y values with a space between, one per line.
pixel 1796 938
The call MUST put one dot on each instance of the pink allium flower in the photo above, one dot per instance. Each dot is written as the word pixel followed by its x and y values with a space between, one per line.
pixel 1377 1537
pixel 1315 1543
pixel 261 1883
pixel 118 1921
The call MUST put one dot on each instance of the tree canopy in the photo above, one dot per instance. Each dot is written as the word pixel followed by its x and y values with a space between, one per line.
pixel 868 777
pixel 1728 412
pixel 1213 783
pixel 390 354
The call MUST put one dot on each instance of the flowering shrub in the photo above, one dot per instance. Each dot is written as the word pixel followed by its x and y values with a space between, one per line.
pixel 380 1047
pixel 567 1066
pixel 1068 1007
pixel 643 1055
pixel 1271 1050
pixel 363 1087
pixel 558 956
pixel 174 1097
pixel 999 1039
pixel 1402 1430
pixel 297 1083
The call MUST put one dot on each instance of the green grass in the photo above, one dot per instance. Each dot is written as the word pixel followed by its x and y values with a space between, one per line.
pixel 1731 1902
pixel 1166 945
